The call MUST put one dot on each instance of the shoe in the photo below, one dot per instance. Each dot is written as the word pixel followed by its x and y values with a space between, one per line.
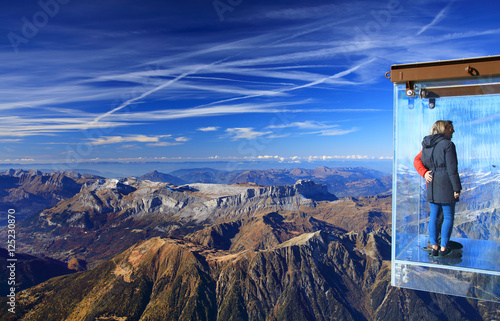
pixel 455 245
pixel 431 251
pixel 445 252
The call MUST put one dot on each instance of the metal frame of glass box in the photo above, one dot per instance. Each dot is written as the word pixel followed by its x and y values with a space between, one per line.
pixel 467 92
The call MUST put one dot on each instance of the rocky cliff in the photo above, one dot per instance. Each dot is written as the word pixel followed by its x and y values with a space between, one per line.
pixel 131 210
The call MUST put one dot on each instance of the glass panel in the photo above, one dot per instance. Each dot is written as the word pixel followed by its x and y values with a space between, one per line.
pixel 473 269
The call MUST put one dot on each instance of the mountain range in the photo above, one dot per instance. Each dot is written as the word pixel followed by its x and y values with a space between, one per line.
pixel 206 251
pixel 130 210
pixel 29 192
pixel 341 181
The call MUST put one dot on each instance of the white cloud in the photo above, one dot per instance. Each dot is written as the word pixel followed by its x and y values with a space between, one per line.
pixel 130 146
pixel 319 80
pixel 278 136
pixel 301 125
pixel 440 16
pixel 321 128
pixel 18 160
pixel 290 159
pixel 245 133
pixel 127 139
pixel 9 140
pixel 208 111
pixel 164 144
pixel 338 132
pixel 209 129
pixel 337 157
pixel 230 90
pixel 30 124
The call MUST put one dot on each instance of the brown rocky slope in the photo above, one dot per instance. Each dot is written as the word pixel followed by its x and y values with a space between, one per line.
pixel 314 276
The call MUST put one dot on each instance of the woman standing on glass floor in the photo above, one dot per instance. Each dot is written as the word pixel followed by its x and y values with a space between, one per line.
pixel 440 157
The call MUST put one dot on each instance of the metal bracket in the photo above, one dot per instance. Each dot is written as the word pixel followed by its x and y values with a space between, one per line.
pixel 410 89
pixel 432 103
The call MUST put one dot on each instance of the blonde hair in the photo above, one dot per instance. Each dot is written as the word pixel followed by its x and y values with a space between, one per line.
pixel 440 126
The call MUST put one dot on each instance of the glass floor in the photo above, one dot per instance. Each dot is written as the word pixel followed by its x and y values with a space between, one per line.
pixel 475 254
pixel 471 271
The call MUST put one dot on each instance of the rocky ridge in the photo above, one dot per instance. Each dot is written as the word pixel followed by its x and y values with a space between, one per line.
pixel 132 209
pixel 314 276
pixel 134 198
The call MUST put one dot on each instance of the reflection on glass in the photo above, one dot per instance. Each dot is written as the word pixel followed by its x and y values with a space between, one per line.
pixel 473 269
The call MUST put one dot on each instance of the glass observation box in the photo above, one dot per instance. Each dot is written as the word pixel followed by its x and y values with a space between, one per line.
pixel 467 92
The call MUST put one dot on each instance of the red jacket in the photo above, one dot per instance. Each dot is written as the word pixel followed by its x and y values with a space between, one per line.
pixel 417 162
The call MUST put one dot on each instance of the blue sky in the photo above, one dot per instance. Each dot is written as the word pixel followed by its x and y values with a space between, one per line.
pixel 287 81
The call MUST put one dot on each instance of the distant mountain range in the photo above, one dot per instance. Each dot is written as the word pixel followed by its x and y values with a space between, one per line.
pixel 342 181
pixel 31 191
pixel 155 176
